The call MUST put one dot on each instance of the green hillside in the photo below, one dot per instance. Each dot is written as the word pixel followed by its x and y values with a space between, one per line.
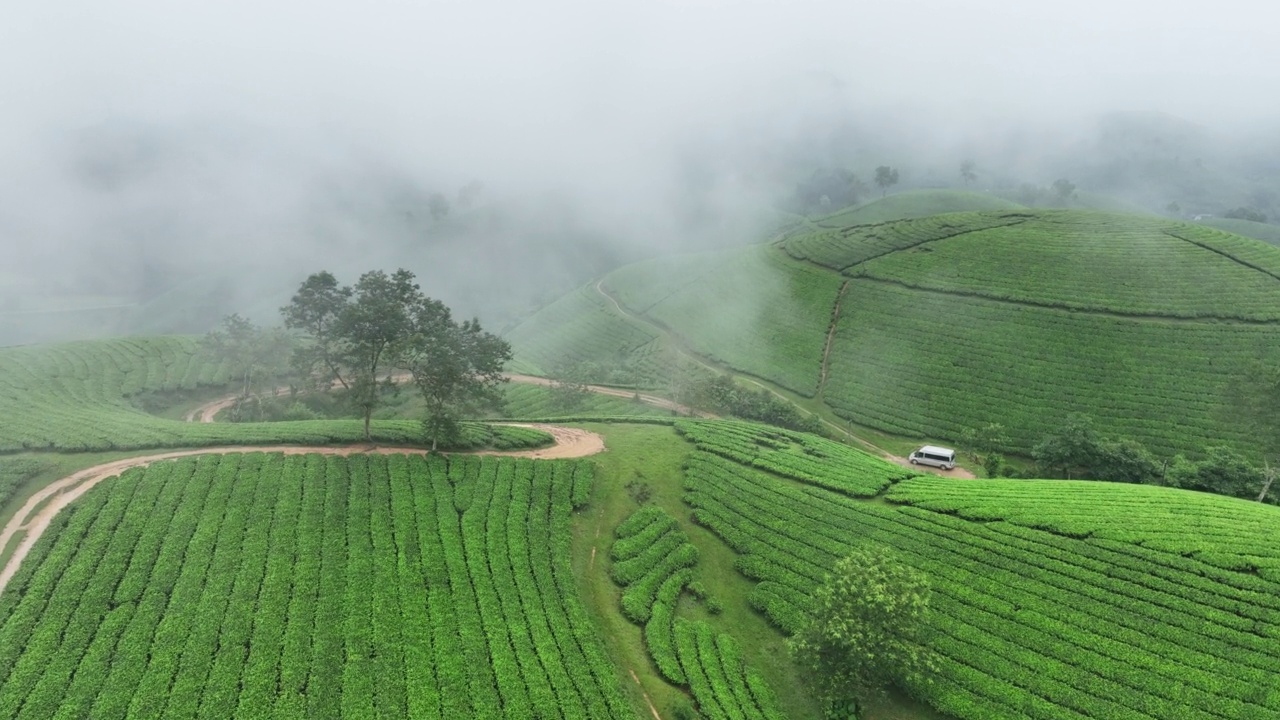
pixel 751 309
pixel 954 321
pixel 1259 231
pixel 664 573
pixel 914 204
pixel 1041 609
pixel 76 396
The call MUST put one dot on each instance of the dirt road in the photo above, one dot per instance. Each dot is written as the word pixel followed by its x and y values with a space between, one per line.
pixel 35 516
pixel 208 411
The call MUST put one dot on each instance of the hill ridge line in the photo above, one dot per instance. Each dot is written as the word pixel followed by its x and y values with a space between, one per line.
pixel 1102 312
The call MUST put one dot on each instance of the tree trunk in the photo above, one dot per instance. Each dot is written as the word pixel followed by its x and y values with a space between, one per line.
pixel 1266 488
pixel 368 413
pixel 433 443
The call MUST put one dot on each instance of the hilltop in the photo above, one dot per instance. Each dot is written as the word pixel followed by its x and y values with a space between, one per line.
pixel 925 327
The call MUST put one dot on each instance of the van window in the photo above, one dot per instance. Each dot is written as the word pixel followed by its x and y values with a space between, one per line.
pixel 942 458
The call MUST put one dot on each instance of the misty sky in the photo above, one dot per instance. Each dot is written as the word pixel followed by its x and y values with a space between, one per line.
pixel 492 76
pixel 232 113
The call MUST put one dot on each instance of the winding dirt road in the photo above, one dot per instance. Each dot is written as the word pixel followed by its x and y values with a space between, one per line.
pixel 33 518
pixel 208 411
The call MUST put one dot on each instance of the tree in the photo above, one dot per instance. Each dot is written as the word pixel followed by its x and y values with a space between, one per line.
pixel 352 334
pixel 967 171
pixel 1064 188
pixel 314 312
pixel 885 178
pixel 1074 448
pixel 1244 213
pixel 1223 471
pixel 254 355
pixel 985 446
pixel 438 204
pixel 456 367
pixel 864 630
pixel 1173 208
pixel 569 386
pixel 373 328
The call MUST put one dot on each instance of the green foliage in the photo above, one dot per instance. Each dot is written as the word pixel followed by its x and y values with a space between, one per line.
pixel 1064 189
pixel 1245 213
pixel 652 557
pixel 309 586
pixel 255 356
pixel 1223 471
pixel 1077 450
pixel 863 633
pixel 1088 599
pixel 457 368
pixel 722 395
pixel 984 446
pixel 16 471
pixel 76 397
pixel 886 177
pixel 800 456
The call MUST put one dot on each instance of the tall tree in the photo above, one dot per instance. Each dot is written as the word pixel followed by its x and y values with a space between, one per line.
pixel 314 311
pixel 968 171
pixel 456 367
pixel 375 327
pixel 886 177
pixel 864 630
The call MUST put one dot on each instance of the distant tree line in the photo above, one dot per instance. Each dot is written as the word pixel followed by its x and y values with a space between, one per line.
pixel 1078 450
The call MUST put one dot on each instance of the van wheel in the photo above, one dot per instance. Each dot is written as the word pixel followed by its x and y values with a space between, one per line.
pixel 913 461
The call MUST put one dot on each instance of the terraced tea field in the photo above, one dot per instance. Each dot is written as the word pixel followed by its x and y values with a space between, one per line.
pixel 75 397
pixel 310 586
pixel 1041 608
pixel 927 327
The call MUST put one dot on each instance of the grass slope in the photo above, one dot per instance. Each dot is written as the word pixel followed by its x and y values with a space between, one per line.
pixel 953 321
pixel 306 586
pixel 584 327
pixel 750 309
pixel 1265 232
pixel 914 204
pixel 75 396
pixel 1053 613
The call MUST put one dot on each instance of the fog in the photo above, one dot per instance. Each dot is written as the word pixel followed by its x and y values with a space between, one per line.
pixel 183 160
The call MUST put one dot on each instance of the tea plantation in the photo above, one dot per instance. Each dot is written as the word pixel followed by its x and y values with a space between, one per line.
pixel 930 326
pixel 1051 600
pixel 312 587
pixel 76 397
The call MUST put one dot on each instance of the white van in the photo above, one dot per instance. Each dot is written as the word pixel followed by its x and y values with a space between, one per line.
pixel 938 457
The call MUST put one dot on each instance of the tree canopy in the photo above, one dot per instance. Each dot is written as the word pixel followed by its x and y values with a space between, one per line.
pixel 865 628
pixel 358 336
pixel 886 177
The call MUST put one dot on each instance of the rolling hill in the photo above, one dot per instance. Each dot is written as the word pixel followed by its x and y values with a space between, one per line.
pixel 78 397
pixel 237 583
pixel 1265 232
pixel 914 204
pixel 929 326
